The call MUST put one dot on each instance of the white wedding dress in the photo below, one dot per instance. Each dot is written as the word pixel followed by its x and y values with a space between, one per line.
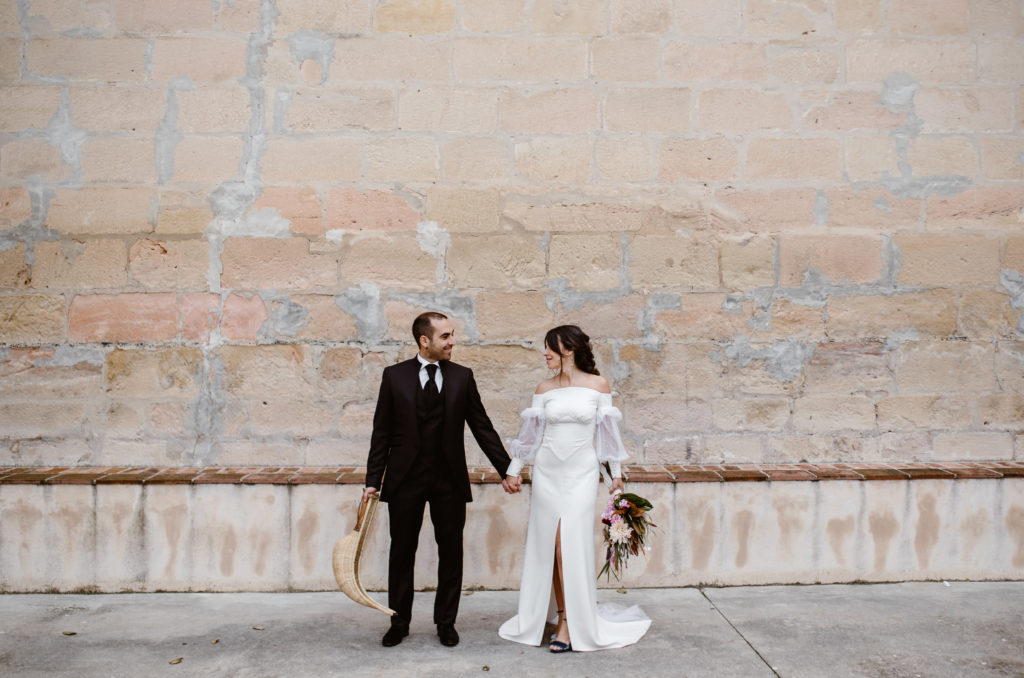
pixel 559 432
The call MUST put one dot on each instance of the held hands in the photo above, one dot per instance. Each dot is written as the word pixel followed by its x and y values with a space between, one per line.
pixel 617 484
pixel 512 484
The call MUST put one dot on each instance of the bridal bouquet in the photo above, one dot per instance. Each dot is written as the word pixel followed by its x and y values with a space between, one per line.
pixel 626 528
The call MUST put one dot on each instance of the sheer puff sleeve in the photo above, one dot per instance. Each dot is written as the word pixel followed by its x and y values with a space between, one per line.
pixel 526 444
pixel 608 442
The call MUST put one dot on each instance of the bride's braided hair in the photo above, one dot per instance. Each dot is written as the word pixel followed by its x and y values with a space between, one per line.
pixel 572 338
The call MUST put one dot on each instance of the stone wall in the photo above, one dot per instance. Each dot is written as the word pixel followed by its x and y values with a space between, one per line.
pixel 793 229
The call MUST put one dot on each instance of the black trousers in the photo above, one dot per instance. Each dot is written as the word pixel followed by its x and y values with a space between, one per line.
pixel 448 515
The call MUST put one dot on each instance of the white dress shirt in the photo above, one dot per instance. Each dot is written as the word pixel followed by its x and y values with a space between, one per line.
pixel 425 376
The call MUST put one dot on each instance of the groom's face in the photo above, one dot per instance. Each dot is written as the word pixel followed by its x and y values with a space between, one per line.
pixel 439 345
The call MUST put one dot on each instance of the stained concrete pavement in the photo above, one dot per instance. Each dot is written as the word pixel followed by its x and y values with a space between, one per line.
pixel 881 630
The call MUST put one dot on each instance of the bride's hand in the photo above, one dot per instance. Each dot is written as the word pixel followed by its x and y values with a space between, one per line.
pixel 617 484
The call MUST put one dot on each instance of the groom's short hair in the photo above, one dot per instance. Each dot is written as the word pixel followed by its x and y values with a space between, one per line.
pixel 422 326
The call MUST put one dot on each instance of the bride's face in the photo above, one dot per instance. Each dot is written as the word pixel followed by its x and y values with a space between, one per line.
pixel 555 360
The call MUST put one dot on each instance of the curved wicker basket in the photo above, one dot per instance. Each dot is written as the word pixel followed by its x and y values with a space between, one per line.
pixel 346 557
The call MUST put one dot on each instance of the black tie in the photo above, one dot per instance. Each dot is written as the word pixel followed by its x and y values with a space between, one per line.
pixel 431 388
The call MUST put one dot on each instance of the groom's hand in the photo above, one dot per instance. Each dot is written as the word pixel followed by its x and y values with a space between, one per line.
pixel 368 491
pixel 512 484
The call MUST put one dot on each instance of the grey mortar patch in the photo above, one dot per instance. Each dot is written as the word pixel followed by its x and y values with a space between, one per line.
pixel 732 304
pixel 66 356
pixel 167 135
pixel 882 204
pixel 820 208
pixel 205 417
pixel 573 300
pixel 282 100
pixel 147 59
pixel 447 302
pixel 662 301
pixel 435 241
pixel 784 359
pixel 1013 281
pixel 313 45
pixel 288 318
pixel 32 229
pixel 620 368
pixel 63 135
pixel 362 302
pixel 898 96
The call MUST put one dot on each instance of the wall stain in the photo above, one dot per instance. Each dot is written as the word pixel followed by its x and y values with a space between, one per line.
pixel 972 529
pixel 1015 526
pixel 838 532
pixel 703 540
pixel 788 513
pixel 227 553
pixel 883 528
pixel 928 524
pixel 307 525
pixel 744 526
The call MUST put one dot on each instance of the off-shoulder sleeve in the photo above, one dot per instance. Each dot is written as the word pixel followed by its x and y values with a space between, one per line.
pixel 526 444
pixel 608 441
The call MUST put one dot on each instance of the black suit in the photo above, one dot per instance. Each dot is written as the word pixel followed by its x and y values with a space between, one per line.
pixel 419 442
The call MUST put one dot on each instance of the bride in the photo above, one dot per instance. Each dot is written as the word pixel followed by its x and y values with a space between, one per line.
pixel 570 413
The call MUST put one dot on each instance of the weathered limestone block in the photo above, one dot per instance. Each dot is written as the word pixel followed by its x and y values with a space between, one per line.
pixel 555 159
pixel 167 374
pixel 923 314
pixel 273 263
pixel 645 415
pixel 640 16
pixel 617 320
pixel 701 316
pixel 1010 365
pixel 697 159
pixel 395 261
pixel 476 158
pixel 119 160
pixel 13 268
pixel 53 418
pixel 199 315
pixel 32 319
pixel 1001 411
pixel 84 59
pixel 978 207
pixel 623 158
pixel 742 110
pixel 412 158
pixel 648 110
pixel 859 17
pixel 944 367
pixel 1000 158
pixel 963 445
pixel 243 317
pixel 43 373
pixel 314 110
pixel 915 17
pixel 212 59
pixel 280 417
pixel 764 211
pixel 795 158
pixel 117 108
pixel 822 414
pixel 984 314
pixel 557 111
pixel 348 374
pixel 321 318
pixel 214 109
pixel 786 319
pixel 353 210
pixel 391 58
pixel 868 155
pixel 752 414
pixel 28 107
pixel 901 412
pixel 255 452
pixel 267 371
pixel 944 155
pixel 326 16
pixel 999 59
pixel 28 158
pixel 537 60
pixel 464 210
pixel 414 16
pixel 871 208
pixel 513 316
pixel 169 264
pixel 674 261
pixel 450 109
pixel 72 264
pixel 182 213
pixel 300 159
pixel 926 61
pixel 686 62
pixel 848 367
pixel 301 206
pixel 632 59
pixel 947 259
pixel 201 159
pixel 582 217
pixel 768 17
pixel 806 66
pixel 675 368
pixel 123 317
pixel 496 261
pixel 955 110
pixel 588 262
pixel 728 448
pixel 853 110
pixel 15 205
pixel 693 17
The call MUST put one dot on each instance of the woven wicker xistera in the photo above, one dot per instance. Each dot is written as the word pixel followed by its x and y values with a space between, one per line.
pixel 346 557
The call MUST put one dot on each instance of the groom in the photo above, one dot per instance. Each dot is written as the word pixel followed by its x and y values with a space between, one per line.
pixel 417 456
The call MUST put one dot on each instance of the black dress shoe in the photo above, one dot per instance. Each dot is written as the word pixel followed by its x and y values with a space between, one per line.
pixel 394 635
pixel 448 635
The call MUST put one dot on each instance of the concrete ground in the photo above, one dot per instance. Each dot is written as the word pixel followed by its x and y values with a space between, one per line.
pixel 883 630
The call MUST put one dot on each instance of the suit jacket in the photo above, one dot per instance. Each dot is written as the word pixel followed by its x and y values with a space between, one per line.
pixel 395 441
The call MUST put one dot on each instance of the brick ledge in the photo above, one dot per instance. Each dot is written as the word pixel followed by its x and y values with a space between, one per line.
pixel 351 475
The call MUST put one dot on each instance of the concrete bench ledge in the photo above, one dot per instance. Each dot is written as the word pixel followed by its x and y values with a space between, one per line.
pixel 349 475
